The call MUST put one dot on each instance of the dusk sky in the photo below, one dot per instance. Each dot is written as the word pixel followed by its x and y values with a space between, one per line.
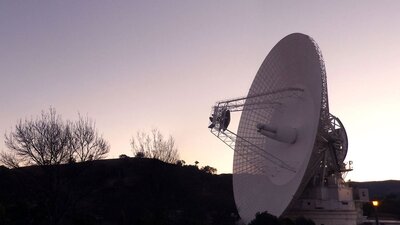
pixel 137 65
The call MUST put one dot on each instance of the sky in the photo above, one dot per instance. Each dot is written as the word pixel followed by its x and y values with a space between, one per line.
pixel 138 65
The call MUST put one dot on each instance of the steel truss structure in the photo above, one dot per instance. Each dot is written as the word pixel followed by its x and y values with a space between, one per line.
pixel 259 101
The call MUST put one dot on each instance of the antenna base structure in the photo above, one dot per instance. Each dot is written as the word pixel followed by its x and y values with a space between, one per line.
pixel 289 151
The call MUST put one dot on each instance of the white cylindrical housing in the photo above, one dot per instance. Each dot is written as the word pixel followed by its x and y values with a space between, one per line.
pixel 281 133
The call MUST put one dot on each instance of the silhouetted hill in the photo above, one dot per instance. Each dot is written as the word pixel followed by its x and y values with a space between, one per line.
pixel 133 191
pixel 117 191
pixel 379 189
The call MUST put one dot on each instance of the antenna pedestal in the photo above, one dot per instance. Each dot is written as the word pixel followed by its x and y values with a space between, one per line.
pixel 330 203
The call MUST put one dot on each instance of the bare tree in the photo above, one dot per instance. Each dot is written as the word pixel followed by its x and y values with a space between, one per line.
pixel 48 140
pixel 154 145
pixel 44 141
pixel 86 144
pixel 10 160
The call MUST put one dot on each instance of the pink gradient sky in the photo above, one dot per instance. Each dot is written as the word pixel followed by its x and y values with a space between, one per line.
pixel 134 65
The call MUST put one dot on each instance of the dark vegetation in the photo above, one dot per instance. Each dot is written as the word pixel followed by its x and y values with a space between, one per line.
pixel 267 219
pixel 137 191
pixel 57 178
pixel 117 191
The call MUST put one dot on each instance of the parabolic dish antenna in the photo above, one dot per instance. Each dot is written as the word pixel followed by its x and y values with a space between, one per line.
pixel 284 129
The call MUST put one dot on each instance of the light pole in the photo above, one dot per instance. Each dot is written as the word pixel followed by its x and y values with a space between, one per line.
pixel 375 203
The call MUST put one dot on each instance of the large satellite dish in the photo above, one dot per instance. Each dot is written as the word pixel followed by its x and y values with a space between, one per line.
pixel 286 134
